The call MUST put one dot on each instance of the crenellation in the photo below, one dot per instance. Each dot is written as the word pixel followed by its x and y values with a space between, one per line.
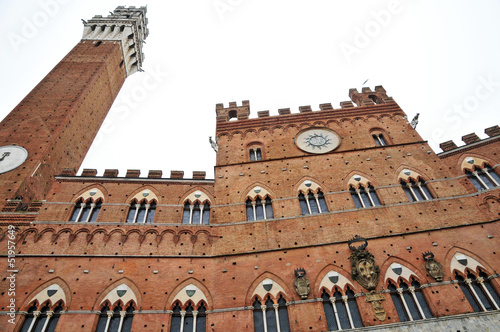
pixel 155 174
pixel 346 104
pixel 470 138
pixel 263 114
pixel 133 173
pixel 325 107
pixel 447 146
pixel 199 175
pixel 284 111
pixel 305 109
pixel 68 171
pixel 89 172
pixel 110 173
pixel 176 174
pixel 492 131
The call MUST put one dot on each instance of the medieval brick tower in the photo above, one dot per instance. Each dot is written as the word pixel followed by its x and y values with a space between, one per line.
pixel 321 220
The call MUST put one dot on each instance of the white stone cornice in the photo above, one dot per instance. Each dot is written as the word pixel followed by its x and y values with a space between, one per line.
pixel 127 25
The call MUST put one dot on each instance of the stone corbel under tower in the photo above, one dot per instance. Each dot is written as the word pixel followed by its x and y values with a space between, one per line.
pixel 128 25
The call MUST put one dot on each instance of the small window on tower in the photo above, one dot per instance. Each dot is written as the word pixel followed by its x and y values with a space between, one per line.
pixel 379 139
pixel 255 154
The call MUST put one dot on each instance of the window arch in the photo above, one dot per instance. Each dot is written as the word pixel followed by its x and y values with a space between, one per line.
pixel 406 295
pixel 478 291
pixel 41 319
pixel 189 318
pixel 255 151
pixel 311 198
pixel 259 205
pixel 339 302
pixel 414 186
pixel 45 309
pixel 117 310
pixel 86 211
pixel 476 285
pixel 312 202
pixel 270 309
pixel 116 319
pixel 189 310
pixel 481 175
pixel 409 302
pixel 341 310
pixel 380 137
pixel 270 316
pixel 196 209
pixel 141 213
pixel 362 192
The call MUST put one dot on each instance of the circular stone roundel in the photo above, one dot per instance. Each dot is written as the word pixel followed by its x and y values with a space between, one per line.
pixel 317 140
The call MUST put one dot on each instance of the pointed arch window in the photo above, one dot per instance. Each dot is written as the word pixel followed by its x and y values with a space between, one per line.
pixel 44 320
pixel 196 213
pixel 341 311
pixel 270 316
pixel 259 209
pixel 364 196
pixel 483 178
pixel 416 190
pixel 116 320
pixel 479 292
pixel 409 302
pixel 141 213
pixel 188 320
pixel 86 211
pixel 311 203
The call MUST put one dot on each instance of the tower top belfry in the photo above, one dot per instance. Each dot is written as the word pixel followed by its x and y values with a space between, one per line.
pixel 128 25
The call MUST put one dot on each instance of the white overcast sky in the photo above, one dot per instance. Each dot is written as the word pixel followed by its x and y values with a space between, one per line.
pixel 437 58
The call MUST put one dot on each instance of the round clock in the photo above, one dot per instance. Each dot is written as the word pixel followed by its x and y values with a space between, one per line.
pixel 317 140
pixel 11 156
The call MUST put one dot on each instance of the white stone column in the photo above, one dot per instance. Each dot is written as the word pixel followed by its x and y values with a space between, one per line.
pixel 49 315
pixel 183 314
pixel 345 298
pixel 264 318
pixel 110 315
pixel 195 314
pixel 316 197
pixel 332 300
pixel 35 316
pixel 469 283
pixel 276 306
pixel 400 292
pixel 480 280
pixel 412 291
pixel 122 317
pixel 146 214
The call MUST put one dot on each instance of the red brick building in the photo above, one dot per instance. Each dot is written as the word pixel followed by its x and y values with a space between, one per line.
pixel 269 244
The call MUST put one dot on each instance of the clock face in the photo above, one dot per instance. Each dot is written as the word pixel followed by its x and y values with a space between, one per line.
pixel 11 156
pixel 317 140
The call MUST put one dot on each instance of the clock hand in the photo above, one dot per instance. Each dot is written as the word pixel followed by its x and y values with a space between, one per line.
pixel 5 154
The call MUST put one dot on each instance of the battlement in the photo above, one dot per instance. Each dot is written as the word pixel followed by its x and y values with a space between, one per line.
pixel 470 140
pixel 233 111
pixel 367 97
pixel 128 25
pixel 131 174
